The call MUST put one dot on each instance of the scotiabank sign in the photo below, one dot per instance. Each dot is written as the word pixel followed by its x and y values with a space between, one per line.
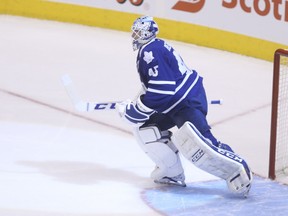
pixel 189 6
pixel 279 8
pixel 264 19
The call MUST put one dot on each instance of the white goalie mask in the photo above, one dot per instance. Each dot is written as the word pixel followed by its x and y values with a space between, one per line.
pixel 143 30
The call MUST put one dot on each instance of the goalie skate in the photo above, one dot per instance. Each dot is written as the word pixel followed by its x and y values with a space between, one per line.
pixel 178 180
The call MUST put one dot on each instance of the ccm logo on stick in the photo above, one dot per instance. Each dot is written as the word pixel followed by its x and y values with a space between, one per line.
pixel 102 106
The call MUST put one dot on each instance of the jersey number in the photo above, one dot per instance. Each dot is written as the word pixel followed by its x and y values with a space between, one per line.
pixel 153 71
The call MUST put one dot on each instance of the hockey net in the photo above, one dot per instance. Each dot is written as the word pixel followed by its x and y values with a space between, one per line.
pixel 278 162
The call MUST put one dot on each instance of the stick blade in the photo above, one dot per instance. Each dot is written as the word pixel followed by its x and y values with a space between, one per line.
pixel 66 80
pixel 72 93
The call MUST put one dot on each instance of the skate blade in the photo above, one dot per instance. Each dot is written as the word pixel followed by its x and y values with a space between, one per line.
pixel 173 183
pixel 246 193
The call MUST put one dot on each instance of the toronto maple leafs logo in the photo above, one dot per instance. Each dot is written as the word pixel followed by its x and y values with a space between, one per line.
pixel 148 57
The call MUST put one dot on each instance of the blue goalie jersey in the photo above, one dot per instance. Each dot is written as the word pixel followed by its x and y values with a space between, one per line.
pixel 166 78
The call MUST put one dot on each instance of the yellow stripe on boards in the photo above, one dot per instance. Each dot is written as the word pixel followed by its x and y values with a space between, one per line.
pixel 68 13
pixel 180 31
pixel 218 39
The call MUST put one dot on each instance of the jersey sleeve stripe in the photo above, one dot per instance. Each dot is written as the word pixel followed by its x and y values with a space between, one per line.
pixel 162 82
pixel 184 81
pixel 160 91
pixel 184 95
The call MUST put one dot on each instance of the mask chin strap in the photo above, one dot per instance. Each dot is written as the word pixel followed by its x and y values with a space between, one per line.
pixel 136 45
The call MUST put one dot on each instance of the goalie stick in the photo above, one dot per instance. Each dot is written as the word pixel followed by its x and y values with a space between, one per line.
pixel 84 106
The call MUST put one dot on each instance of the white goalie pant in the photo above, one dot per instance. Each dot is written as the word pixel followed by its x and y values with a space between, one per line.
pixel 218 162
pixel 159 148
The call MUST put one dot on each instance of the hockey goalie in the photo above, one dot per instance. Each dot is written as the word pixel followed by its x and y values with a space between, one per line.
pixel 174 97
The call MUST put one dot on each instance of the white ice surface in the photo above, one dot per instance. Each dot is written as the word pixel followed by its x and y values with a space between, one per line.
pixel 55 161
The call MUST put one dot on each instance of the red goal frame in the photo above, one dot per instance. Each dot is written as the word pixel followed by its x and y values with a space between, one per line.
pixel 274 112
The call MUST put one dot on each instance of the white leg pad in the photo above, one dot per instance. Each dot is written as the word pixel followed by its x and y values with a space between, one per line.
pixel 218 162
pixel 160 151
pixel 166 160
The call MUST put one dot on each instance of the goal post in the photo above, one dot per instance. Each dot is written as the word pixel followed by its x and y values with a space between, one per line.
pixel 278 159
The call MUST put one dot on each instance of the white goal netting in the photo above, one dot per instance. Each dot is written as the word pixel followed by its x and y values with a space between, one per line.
pixel 281 139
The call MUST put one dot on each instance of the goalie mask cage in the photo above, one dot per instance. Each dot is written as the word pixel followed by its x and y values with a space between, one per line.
pixel 278 161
